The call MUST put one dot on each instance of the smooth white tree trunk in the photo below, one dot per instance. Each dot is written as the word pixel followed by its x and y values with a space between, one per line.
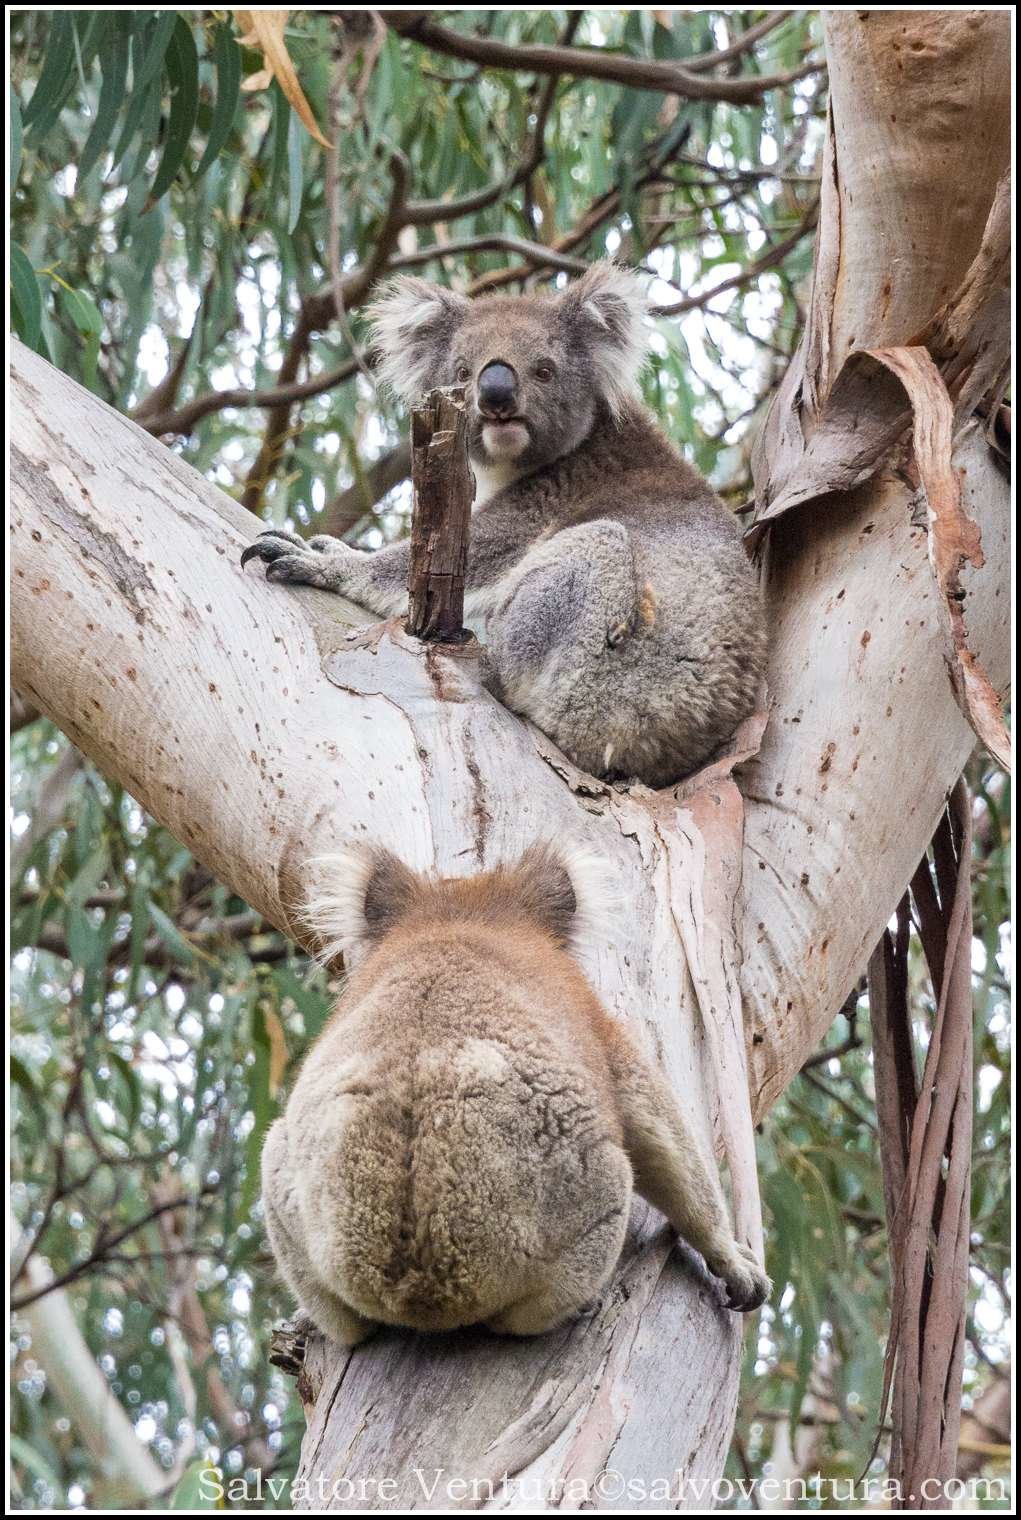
pixel 262 725
pixel 125 1471
pixel 260 728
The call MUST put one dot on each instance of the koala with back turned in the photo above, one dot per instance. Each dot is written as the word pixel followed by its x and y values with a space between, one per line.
pixel 462 1139
pixel 619 610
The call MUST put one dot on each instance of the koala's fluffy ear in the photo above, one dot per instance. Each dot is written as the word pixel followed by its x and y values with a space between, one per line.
pixel 357 897
pixel 413 324
pixel 606 306
pixel 564 890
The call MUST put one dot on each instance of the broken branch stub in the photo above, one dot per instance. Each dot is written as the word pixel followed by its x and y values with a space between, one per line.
pixel 443 492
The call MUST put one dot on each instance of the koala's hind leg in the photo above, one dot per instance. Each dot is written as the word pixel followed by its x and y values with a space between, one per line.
pixel 287 1238
pixel 575 1277
pixel 569 600
pixel 674 1173
pixel 566 648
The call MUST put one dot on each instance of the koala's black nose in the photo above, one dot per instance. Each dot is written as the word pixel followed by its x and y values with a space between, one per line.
pixel 498 390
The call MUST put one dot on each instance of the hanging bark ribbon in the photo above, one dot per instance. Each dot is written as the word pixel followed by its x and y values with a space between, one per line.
pixel 925 1140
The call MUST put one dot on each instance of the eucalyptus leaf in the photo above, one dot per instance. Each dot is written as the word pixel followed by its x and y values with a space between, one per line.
pixel 26 300
pixel 227 59
pixel 183 74
pixel 114 64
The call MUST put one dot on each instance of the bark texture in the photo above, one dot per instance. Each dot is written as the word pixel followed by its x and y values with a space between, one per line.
pixel 925 1131
pixel 444 489
pixel 263 726
pixel 904 356
pixel 874 460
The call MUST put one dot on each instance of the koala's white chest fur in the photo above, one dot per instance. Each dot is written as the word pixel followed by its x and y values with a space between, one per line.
pixel 490 478
pixel 480 603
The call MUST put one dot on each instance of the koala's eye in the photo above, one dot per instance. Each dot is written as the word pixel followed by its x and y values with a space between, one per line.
pixel 544 371
pixel 463 372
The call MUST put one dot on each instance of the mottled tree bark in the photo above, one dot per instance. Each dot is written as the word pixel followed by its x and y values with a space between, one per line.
pixel 262 725
pixel 443 493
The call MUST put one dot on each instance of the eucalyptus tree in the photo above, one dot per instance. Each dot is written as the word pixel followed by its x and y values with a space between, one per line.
pixel 199 217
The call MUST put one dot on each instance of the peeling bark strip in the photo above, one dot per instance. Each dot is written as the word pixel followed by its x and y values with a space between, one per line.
pixel 877 395
pixel 919 338
pixel 444 490
pixel 954 537
pixel 249 726
pixel 927 1204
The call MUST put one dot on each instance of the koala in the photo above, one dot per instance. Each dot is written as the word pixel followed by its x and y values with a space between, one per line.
pixel 619 610
pixel 462 1140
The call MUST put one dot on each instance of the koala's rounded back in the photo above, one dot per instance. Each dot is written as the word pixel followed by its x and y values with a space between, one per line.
pixel 453 1135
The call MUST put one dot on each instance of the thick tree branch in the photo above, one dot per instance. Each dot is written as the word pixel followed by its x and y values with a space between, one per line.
pixel 252 723
pixel 185 418
pixel 255 728
pixel 595 63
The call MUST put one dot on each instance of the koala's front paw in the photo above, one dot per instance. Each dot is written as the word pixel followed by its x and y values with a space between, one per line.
pixel 747 1285
pixel 318 561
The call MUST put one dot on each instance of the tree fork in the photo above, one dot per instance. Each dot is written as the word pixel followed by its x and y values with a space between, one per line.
pixel 260 725
pixel 263 724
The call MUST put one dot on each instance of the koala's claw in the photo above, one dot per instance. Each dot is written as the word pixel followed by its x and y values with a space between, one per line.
pixel 284 567
pixel 304 562
pixel 270 545
pixel 747 1285
pixel 273 543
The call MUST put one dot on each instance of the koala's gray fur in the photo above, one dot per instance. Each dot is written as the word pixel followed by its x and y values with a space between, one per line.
pixel 609 582
pixel 461 1141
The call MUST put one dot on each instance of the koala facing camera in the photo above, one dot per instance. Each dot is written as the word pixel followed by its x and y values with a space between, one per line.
pixel 608 581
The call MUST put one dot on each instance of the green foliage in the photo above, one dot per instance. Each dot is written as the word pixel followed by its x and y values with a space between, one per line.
pixel 169 228
pixel 195 215
pixel 153 1016
pixel 820 1348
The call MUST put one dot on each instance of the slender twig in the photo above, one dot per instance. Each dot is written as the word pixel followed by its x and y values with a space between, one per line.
pixel 538 254
pixel 99 1254
pixel 185 418
pixel 767 261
